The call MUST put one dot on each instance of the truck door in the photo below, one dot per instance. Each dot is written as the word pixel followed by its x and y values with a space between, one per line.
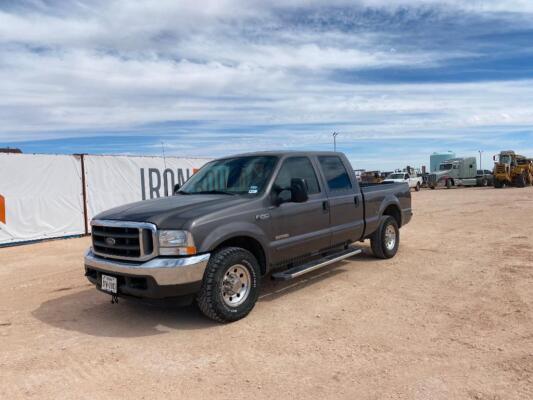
pixel 408 179
pixel 299 229
pixel 344 200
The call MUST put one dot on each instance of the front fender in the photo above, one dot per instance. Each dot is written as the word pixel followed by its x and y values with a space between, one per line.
pixel 231 230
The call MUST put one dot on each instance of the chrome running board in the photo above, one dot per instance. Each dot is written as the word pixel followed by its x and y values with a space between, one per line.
pixel 300 270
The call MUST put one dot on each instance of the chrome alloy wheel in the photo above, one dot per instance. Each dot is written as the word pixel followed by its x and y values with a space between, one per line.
pixel 236 285
pixel 390 237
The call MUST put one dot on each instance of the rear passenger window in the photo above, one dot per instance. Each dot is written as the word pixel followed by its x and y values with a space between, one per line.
pixel 297 167
pixel 335 173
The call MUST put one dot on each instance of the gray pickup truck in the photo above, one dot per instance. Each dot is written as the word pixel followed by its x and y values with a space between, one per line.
pixel 238 220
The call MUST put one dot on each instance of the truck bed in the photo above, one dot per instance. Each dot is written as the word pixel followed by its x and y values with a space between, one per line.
pixel 377 194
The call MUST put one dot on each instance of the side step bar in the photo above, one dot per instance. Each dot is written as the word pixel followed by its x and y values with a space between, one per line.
pixel 299 270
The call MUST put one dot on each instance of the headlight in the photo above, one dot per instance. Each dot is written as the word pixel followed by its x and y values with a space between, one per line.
pixel 176 243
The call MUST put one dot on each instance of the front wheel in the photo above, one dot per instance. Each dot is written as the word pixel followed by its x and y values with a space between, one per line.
pixel 230 287
pixel 417 187
pixel 386 239
pixel 521 181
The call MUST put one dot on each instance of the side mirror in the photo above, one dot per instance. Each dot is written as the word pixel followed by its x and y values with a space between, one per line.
pixel 284 196
pixel 299 190
pixel 177 187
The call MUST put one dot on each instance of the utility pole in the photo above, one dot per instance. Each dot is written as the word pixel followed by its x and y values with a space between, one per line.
pixel 335 140
pixel 164 158
pixel 480 152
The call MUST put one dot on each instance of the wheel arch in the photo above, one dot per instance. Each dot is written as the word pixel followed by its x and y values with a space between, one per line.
pixel 248 243
pixel 393 210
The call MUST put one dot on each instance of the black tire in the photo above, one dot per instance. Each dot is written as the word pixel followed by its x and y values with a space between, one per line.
pixel 211 300
pixel 378 240
pixel 417 187
pixel 521 181
pixel 498 184
pixel 448 183
pixel 432 187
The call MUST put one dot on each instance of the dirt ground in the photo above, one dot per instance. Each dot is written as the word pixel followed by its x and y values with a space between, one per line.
pixel 450 317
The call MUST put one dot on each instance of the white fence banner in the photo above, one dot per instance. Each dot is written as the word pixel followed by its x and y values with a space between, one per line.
pixel 115 180
pixel 40 197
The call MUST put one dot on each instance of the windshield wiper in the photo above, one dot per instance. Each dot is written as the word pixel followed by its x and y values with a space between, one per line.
pixel 215 192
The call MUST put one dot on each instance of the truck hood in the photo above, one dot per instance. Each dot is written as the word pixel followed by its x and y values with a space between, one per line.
pixel 441 173
pixel 171 212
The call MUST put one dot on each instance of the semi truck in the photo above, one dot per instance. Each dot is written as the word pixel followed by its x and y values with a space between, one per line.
pixel 461 171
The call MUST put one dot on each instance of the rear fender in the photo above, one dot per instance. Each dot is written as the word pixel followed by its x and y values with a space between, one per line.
pixel 372 222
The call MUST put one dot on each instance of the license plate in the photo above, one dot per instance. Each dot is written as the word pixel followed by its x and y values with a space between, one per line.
pixel 109 284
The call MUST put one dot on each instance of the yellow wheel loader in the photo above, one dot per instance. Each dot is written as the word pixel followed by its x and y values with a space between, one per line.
pixel 511 169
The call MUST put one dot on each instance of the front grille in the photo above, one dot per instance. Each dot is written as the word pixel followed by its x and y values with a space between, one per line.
pixel 123 240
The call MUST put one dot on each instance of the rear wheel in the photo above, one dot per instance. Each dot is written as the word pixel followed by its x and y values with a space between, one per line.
pixel 230 287
pixel 386 239
pixel 498 184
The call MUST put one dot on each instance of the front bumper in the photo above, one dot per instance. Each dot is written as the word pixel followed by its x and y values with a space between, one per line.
pixel 157 278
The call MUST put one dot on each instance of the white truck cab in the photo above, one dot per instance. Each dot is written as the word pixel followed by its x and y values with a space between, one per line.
pixel 414 182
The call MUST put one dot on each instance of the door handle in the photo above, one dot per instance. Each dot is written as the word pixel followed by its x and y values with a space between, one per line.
pixel 325 206
pixel 356 201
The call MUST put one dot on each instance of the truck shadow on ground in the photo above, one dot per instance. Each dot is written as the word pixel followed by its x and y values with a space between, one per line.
pixel 272 290
pixel 90 312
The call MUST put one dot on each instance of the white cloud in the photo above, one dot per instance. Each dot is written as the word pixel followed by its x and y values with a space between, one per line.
pixel 120 65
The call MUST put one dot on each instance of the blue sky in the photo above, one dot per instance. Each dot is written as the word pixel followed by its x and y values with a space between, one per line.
pixel 397 79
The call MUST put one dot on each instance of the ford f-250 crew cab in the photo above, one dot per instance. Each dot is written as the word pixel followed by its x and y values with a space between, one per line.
pixel 239 219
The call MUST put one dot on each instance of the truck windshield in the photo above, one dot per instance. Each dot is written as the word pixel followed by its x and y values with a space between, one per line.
pixel 445 167
pixel 505 159
pixel 239 175
pixel 395 176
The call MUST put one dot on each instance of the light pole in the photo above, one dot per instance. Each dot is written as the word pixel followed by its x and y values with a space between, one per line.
pixel 480 152
pixel 335 140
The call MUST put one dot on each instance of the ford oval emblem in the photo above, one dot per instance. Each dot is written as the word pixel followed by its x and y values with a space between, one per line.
pixel 110 241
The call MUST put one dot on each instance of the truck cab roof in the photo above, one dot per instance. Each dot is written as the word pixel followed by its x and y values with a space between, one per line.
pixel 287 153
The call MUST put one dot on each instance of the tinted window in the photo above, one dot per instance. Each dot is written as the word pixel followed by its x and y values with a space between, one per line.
pixel 297 167
pixel 240 175
pixel 335 173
